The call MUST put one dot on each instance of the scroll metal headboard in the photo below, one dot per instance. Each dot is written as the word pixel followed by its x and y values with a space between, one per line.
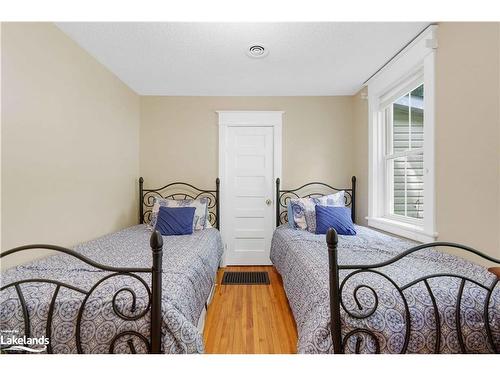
pixel 179 190
pixel 311 190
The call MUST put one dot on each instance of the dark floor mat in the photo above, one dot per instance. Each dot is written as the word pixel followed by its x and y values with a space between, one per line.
pixel 245 278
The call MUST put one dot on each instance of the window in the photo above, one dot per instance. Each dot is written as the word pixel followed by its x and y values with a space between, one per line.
pixel 401 143
pixel 404 158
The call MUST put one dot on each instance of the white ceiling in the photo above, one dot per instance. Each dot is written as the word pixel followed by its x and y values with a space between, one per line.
pixel 209 59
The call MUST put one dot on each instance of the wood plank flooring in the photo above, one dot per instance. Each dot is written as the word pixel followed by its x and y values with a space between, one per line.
pixel 250 319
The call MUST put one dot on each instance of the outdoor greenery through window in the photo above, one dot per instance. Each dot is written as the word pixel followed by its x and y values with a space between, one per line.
pixel 405 154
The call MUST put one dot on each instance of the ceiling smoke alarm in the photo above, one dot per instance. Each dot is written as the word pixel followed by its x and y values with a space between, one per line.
pixel 257 51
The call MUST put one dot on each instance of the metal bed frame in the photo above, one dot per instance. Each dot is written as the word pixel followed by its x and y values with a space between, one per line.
pixel 311 190
pixel 147 199
pixel 336 285
pixel 340 338
pixel 154 293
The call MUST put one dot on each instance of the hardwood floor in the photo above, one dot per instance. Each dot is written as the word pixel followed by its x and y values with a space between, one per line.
pixel 248 319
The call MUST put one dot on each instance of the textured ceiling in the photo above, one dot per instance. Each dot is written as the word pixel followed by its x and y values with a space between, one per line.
pixel 210 58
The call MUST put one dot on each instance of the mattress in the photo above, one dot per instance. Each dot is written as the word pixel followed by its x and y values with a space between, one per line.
pixel 190 264
pixel 302 260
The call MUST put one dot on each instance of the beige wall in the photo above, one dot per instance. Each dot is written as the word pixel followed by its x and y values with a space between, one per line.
pixel 467 129
pixel 179 137
pixel 70 134
pixel 467 136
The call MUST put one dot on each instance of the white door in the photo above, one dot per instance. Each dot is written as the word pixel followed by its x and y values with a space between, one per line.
pixel 247 193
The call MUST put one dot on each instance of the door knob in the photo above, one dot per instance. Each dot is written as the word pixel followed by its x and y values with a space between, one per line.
pixel 268 202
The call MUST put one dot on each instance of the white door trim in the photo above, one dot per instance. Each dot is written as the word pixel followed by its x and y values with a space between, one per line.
pixel 272 119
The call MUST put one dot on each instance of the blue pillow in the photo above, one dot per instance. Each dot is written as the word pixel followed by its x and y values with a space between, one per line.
pixel 173 221
pixel 334 217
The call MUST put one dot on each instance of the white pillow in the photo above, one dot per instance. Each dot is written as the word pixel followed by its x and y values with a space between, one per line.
pixel 336 200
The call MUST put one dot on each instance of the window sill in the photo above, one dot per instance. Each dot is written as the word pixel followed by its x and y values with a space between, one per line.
pixel 399 228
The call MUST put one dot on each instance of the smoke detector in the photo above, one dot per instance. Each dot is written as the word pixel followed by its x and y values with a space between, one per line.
pixel 257 51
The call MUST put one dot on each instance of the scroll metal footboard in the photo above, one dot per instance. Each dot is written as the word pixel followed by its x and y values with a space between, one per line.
pixel 337 303
pixel 154 296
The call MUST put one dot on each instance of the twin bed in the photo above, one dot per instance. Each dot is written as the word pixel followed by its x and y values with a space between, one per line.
pixel 375 293
pixel 367 293
pixel 133 291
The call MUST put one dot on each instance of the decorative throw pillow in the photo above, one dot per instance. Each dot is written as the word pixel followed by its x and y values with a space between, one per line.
pixel 303 210
pixel 334 217
pixel 302 213
pixel 200 214
pixel 175 221
pixel 335 200
pixel 291 224
pixel 208 225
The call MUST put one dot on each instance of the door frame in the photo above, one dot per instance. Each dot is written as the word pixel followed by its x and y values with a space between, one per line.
pixel 227 119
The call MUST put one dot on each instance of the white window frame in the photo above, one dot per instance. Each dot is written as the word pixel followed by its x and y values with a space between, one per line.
pixel 416 62
pixel 386 107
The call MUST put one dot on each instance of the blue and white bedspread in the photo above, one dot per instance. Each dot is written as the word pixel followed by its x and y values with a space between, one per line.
pixel 190 264
pixel 302 260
